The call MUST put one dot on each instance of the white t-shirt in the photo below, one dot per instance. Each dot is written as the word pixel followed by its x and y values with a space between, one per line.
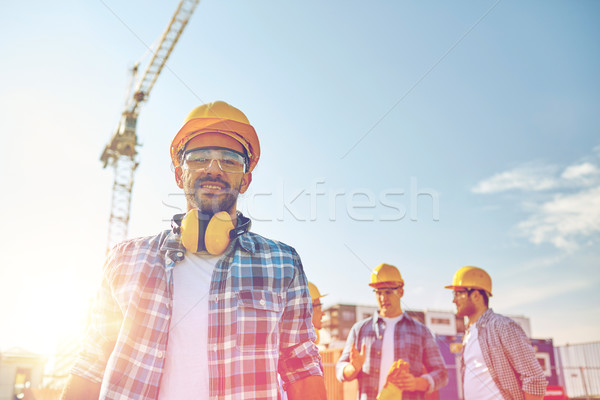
pixel 387 349
pixel 478 383
pixel 185 374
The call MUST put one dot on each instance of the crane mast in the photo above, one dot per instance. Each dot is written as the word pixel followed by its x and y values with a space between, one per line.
pixel 121 151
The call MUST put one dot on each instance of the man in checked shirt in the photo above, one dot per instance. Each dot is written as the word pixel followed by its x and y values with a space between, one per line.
pixel 374 344
pixel 208 310
pixel 498 361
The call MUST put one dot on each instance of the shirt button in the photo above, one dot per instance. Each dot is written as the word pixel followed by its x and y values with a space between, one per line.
pixel 159 354
pixel 215 347
pixel 262 302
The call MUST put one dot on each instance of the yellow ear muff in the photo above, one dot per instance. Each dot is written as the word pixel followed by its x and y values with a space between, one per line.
pixel 202 232
pixel 192 237
pixel 216 237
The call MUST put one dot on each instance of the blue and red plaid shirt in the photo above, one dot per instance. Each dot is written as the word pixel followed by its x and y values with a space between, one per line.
pixel 413 343
pixel 259 320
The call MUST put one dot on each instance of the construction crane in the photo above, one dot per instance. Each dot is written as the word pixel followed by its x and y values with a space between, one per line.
pixel 121 151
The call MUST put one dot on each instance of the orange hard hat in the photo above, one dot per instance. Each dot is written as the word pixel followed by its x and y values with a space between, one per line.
pixel 218 118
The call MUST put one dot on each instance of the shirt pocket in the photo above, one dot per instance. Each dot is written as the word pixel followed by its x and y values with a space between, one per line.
pixel 258 316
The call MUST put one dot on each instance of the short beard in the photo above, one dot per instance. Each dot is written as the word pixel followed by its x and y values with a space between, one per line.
pixel 467 310
pixel 212 206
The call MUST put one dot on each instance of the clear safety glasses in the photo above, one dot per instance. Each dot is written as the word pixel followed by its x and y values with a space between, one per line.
pixel 201 159
pixel 386 291
pixel 461 293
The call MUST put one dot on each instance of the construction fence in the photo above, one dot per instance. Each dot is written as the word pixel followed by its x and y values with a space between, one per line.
pixel 578 368
pixel 337 390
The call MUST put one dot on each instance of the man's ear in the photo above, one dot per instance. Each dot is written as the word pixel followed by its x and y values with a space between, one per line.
pixel 246 179
pixel 178 173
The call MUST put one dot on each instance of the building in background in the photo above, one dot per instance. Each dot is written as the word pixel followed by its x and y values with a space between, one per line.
pixel 338 319
pixel 20 370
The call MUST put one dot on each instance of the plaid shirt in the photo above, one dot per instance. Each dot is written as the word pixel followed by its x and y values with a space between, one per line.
pixel 509 356
pixel 413 344
pixel 259 320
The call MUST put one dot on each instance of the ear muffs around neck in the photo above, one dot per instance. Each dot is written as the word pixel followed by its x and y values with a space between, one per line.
pixel 211 233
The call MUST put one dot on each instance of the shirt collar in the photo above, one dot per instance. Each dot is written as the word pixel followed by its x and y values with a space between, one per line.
pixel 377 318
pixel 246 242
pixel 173 248
pixel 485 317
pixel 378 321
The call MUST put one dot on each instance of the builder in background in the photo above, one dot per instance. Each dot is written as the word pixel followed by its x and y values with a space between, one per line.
pixel 387 336
pixel 317 315
pixel 234 306
pixel 498 361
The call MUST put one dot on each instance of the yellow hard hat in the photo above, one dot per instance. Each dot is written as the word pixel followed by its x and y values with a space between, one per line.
pixel 221 118
pixel 314 291
pixel 385 273
pixel 471 278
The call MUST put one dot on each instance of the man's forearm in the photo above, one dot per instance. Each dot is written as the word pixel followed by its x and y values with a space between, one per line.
pixel 78 388
pixel 311 388
pixel 529 396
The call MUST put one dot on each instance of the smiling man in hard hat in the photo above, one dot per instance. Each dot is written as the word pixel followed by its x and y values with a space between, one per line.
pixel 498 361
pixel 386 337
pixel 209 309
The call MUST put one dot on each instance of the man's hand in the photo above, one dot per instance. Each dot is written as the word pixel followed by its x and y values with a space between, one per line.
pixel 310 388
pixel 407 381
pixel 357 359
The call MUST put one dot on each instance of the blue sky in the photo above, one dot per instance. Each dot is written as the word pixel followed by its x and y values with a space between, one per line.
pixel 426 135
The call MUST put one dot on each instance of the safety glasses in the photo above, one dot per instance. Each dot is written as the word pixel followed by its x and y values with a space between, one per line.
pixel 461 293
pixel 386 291
pixel 201 159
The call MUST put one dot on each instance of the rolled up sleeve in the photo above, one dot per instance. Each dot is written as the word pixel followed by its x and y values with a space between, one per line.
pixel 437 374
pixel 298 355
pixel 522 357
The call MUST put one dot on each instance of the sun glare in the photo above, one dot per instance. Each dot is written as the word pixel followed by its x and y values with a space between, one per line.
pixel 50 311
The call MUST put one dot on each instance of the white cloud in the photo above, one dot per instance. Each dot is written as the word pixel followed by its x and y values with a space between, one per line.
pixel 565 220
pixel 536 264
pixel 520 296
pixel 569 210
pixel 538 177
pixel 582 174
pixel 530 177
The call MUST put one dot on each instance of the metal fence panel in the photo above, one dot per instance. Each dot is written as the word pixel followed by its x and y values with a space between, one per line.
pixel 580 367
